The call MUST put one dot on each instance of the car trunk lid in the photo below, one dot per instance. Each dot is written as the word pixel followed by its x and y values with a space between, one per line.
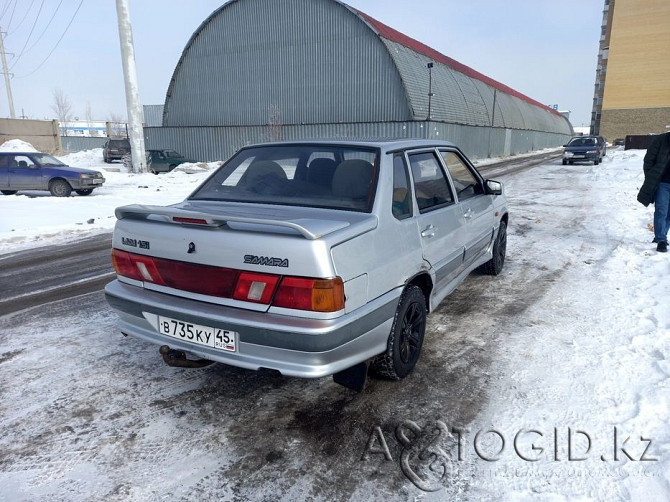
pixel 268 240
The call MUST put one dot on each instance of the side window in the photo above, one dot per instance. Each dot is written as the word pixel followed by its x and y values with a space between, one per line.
pixel 465 182
pixel 21 161
pixel 431 188
pixel 401 205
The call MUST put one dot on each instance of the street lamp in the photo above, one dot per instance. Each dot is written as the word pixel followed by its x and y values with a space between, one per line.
pixel 430 87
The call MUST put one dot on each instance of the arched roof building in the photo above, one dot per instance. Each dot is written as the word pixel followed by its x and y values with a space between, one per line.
pixel 267 69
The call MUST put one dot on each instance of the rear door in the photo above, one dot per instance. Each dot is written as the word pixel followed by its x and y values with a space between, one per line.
pixel 476 206
pixel 440 220
pixel 4 172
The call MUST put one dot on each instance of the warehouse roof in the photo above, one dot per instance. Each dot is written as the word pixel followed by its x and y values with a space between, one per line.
pixel 396 36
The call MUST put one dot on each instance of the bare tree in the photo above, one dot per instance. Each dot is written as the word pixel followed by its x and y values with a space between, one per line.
pixel 62 108
pixel 89 119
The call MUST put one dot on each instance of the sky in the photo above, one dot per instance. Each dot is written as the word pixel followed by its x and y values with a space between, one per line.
pixel 544 49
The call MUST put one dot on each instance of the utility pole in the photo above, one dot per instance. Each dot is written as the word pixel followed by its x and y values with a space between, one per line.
pixel 5 70
pixel 133 105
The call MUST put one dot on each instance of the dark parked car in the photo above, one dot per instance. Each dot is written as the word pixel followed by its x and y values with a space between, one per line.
pixel 619 142
pixel 164 161
pixel 115 149
pixel 40 171
pixel 585 148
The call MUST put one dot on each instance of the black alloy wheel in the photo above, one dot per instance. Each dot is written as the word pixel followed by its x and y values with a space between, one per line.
pixel 406 337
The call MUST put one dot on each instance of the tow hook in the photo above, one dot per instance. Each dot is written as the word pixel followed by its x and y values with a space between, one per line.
pixel 177 358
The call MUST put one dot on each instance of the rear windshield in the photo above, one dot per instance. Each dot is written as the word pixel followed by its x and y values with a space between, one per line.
pixel 337 177
pixel 119 143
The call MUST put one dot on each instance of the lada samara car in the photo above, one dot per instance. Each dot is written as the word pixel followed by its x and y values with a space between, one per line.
pixel 585 148
pixel 310 258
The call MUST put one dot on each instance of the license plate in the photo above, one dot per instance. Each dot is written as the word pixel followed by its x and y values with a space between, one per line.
pixel 217 338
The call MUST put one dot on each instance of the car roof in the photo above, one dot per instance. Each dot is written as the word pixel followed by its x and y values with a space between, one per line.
pixel 22 153
pixel 383 144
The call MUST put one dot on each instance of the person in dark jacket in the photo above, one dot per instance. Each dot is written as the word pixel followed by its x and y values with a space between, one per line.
pixel 656 187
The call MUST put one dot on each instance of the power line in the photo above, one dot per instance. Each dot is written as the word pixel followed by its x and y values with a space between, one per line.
pixel 12 16
pixel 55 46
pixel 6 7
pixel 46 27
pixel 22 19
pixel 29 35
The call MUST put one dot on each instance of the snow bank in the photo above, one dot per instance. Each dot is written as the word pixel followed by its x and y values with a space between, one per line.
pixel 17 145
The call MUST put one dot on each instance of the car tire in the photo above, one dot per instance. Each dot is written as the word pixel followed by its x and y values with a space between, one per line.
pixel 171 167
pixel 85 191
pixel 565 162
pixel 495 265
pixel 406 337
pixel 596 162
pixel 60 188
pixel 8 192
pixel 570 162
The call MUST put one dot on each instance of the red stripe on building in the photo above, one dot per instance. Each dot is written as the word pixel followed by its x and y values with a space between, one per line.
pixel 402 39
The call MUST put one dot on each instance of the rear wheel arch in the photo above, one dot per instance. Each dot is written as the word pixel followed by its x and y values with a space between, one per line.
pixel 425 283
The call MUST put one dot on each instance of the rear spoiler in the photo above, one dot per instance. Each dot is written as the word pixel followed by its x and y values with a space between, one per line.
pixel 309 228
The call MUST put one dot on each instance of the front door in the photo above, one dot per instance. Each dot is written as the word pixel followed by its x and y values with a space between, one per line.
pixel 477 207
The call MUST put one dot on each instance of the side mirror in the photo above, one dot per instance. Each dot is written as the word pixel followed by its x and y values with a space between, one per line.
pixel 494 187
pixel 564 146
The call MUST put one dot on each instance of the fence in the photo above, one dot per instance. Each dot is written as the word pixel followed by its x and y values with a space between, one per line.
pixel 71 144
pixel 42 134
pixel 210 143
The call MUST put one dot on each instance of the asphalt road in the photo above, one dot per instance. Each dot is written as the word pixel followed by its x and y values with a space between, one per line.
pixel 50 273
pixel 46 274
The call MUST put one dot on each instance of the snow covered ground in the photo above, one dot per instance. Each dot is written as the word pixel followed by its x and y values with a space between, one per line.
pixel 565 357
pixel 593 354
pixel 34 218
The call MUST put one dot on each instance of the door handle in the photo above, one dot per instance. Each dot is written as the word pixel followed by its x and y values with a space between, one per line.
pixel 468 213
pixel 429 231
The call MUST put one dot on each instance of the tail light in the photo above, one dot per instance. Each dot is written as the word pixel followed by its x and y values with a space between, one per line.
pixel 123 264
pixel 301 293
pixel 318 295
pixel 257 288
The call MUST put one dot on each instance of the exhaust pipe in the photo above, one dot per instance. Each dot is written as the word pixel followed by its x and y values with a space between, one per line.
pixel 177 359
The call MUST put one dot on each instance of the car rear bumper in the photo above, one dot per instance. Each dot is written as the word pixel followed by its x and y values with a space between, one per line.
pixel 295 346
pixel 115 155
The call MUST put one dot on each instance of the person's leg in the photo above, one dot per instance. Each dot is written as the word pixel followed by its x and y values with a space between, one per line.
pixel 662 212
